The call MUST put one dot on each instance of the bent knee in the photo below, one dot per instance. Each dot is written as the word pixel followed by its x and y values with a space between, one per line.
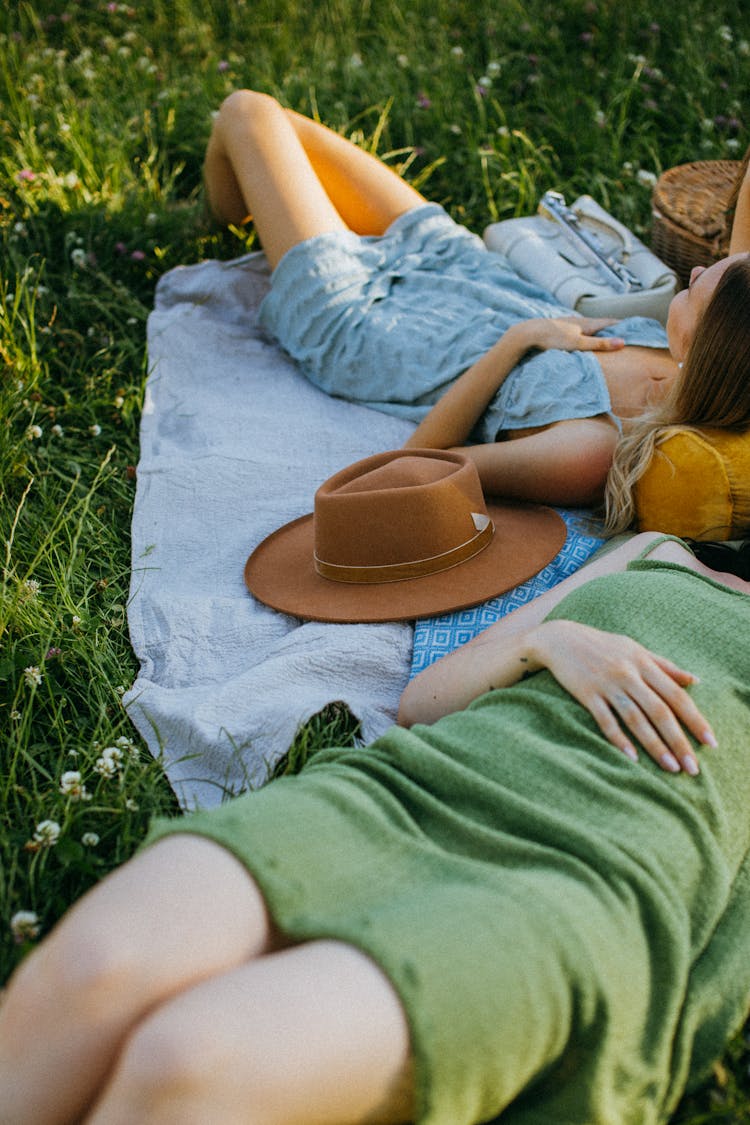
pixel 248 105
pixel 79 974
pixel 177 1069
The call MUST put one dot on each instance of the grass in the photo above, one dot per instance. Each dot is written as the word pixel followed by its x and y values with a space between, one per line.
pixel 106 110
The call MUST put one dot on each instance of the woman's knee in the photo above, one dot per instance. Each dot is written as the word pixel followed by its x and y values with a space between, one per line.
pixel 174 1069
pixel 248 107
pixel 79 975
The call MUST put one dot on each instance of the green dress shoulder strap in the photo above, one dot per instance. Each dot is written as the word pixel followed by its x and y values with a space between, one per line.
pixel 658 542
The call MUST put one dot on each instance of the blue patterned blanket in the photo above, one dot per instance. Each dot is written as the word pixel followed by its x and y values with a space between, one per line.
pixel 437 636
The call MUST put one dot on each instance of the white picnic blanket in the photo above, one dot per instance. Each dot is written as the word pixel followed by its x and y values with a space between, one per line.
pixel 234 442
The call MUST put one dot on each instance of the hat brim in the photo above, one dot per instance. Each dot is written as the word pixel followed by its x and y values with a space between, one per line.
pixel 281 573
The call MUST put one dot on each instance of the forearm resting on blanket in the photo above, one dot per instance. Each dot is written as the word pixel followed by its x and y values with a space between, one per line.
pixel 615 678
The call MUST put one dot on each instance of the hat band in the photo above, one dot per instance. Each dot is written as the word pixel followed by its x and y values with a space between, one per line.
pixel 419 568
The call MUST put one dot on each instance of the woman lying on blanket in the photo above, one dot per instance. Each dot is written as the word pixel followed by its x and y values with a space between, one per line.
pixel 537 906
pixel 393 321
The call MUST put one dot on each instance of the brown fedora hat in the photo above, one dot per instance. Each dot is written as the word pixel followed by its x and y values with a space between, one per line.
pixel 400 535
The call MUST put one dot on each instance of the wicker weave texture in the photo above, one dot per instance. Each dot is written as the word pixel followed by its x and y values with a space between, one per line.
pixel 691 216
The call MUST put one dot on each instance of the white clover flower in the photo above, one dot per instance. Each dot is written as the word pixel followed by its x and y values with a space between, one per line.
pixel 70 780
pixel 493 68
pixel 743 47
pixel 402 60
pixel 600 117
pixel 47 833
pixel 355 61
pixel 20 229
pixel 24 925
pixel 503 131
pixel 457 52
pixel 128 746
pixel 32 675
pixel 725 33
pixel 131 805
pixel 33 432
pixel 71 785
pixel 89 839
pixel 732 143
pixel 78 257
pixel 57 430
pixel 75 620
pixel 109 762
pixel 485 81
pixel 95 430
pixel 648 179
pixel 15 715
pixel 30 588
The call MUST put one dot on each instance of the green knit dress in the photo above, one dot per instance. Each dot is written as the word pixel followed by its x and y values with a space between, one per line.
pixel 569 931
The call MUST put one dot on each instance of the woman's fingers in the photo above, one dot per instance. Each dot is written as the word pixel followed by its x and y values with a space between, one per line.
pixel 660 734
pixel 600 343
pixel 657 712
pixel 577 333
pixel 632 693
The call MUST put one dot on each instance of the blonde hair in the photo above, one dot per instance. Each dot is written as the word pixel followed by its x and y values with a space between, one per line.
pixel 713 390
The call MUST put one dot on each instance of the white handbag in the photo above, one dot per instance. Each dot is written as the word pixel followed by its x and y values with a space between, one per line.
pixel 586 259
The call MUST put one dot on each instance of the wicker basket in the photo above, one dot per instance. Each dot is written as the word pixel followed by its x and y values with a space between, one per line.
pixel 692 208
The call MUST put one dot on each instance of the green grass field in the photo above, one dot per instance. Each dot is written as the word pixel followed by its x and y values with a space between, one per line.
pixel 106 111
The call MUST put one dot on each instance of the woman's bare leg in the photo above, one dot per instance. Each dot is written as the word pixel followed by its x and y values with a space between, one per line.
pixel 565 463
pixel 312 1035
pixel 178 913
pixel 295 177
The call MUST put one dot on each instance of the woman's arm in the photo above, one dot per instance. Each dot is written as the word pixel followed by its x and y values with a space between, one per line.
pixel 454 416
pixel 614 677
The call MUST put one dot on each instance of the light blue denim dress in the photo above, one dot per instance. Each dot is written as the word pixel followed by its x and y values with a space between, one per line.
pixel 390 321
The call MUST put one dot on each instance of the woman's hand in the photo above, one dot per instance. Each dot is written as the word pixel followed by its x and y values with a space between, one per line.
pixel 620 681
pixel 452 418
pixel 571 334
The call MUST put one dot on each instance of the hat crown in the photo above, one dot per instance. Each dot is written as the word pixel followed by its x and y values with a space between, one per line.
pixel 398 508
pixel 401 535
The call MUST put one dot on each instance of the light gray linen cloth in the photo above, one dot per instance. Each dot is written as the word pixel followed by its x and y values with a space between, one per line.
pixel 234 442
